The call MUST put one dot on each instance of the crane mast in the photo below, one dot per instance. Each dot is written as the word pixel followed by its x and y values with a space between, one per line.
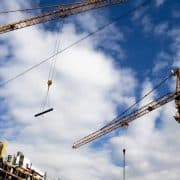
pixel 177 99
pixel 61 12
pixel 125 120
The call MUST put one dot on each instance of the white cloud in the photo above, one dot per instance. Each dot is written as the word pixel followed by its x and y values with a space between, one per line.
pixel 3 51
pixel 145 21
pixel 162 61
pixel 84 89
pixel 13 5
pixel 159 2
pixel 147 24
pixel 176 14
pixel 115 37
pixel 174 34
pixel 161 28
pixel 148 149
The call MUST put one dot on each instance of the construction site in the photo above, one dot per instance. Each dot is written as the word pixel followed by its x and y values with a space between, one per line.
pixel 16 166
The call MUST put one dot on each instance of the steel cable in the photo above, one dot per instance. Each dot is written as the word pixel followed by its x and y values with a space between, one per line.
pixel 113 21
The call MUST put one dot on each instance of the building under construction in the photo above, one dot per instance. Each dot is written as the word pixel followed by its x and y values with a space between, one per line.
pixel 17 167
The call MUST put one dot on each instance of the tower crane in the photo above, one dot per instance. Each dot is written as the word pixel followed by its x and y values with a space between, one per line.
pixel 62 12
pixel 125 120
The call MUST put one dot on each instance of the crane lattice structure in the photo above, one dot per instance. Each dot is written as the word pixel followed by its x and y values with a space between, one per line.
pixel 125 120
pixel 62 12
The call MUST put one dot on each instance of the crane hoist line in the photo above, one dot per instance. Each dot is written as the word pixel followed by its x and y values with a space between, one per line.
pixel 61 12
pixel 125 120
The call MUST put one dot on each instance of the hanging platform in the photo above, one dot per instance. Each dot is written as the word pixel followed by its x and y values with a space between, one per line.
pixel 44 112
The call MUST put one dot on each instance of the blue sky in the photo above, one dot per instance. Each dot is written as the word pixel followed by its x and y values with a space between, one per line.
pixel 93 83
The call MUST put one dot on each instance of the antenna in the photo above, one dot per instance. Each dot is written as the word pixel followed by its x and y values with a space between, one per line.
pixel 124 164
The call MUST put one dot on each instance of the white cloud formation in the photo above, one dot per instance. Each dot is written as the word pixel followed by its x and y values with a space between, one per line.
pixel 174 34
pixel 85 93
pixel 159 2
pixel 143 20
pixel 162 61
pixel 147 24
pixel 85 87
pixel 149 149
pixel 161 28
pixel 113 42
pixel 176 14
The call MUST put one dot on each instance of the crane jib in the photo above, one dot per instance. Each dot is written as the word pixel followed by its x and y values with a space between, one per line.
pixel 62 12
pixel 126 119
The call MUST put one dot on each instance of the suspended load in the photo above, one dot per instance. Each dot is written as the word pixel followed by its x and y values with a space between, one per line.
pixel 49 83
pixel 51 75
pixel 44 112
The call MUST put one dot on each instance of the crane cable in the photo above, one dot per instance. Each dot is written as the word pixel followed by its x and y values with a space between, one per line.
pixel 126 126
pixel 36 8
pixel 113 21
pixel 51 75
pixel 30 9
pixel 53 65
